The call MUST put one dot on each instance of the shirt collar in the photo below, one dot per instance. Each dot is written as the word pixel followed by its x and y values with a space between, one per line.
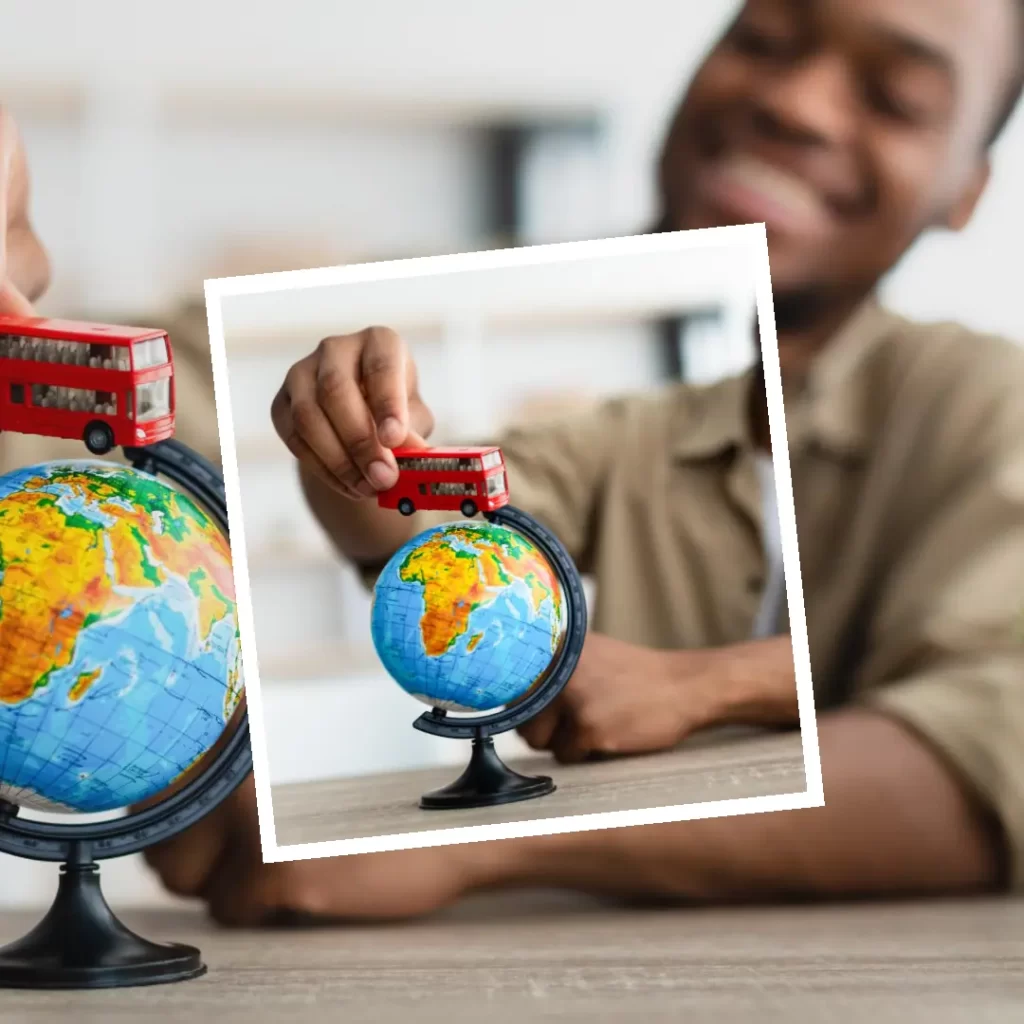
pixel 833 411
pixel 714 419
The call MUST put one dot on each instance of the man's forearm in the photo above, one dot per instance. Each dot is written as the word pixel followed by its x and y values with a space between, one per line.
pixel 895 821
pixel 750 683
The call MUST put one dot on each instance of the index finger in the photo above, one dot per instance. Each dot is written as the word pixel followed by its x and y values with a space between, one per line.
pixel 383 372
pixel 12 302
pixel 8 143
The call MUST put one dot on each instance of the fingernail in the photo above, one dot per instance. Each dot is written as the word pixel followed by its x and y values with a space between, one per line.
pixel 380 475
pixel 366 489
pixel 390 431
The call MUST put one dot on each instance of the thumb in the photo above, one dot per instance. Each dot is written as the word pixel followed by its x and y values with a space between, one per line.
pixel 12 302
pixel 414 440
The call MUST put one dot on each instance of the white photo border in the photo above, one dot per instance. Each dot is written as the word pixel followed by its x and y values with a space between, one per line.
pixel 755 236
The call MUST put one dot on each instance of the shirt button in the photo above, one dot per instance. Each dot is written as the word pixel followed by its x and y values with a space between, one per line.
pixel 755 584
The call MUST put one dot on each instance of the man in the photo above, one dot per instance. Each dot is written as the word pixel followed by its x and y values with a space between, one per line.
pixel 849 127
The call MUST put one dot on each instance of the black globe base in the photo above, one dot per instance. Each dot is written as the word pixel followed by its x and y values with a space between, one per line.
pixel 80 944
pixel 486 782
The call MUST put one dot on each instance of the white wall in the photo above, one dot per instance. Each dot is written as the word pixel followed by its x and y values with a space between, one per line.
pixel 144 71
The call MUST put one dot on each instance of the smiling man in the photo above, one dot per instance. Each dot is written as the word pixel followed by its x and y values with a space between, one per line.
pixel 849 127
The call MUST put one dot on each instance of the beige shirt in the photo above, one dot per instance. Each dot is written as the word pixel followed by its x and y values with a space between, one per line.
pixel 907 455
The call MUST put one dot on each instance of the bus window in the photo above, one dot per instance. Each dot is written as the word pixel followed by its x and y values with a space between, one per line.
pixel 452 489
pixel 47 396
pixel 18 394
pixel 154 400
pixel 492 460
pixel 150 353
pixel 440 464
pixel 495 484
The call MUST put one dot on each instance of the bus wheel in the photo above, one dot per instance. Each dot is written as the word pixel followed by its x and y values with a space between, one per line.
pixel 468 509
pixel 406 507
pixel 99 438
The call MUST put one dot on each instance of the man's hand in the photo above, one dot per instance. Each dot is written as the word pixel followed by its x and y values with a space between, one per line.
pixel 625 699
pixel 24 268
pixel 219 861
pixel 343 407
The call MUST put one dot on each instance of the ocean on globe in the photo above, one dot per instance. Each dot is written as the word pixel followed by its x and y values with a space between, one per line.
pixel 119 650
pixel 468 616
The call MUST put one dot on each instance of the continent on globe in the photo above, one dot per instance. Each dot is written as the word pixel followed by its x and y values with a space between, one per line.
pixel 120 660
pixel 468 616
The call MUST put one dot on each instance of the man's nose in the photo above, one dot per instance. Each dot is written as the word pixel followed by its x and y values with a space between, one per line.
pixel 811 103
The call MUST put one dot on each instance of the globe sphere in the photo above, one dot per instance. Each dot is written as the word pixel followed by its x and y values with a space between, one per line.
pixel 468 616
pixel 120 661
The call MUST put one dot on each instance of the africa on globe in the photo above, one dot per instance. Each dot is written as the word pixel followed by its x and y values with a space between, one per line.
pixel 468 616
pixel 120 661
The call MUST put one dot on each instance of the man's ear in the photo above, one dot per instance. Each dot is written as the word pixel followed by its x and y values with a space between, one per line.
pixel 959 215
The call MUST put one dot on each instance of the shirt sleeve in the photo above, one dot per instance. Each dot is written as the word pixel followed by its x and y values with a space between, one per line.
pixel 556 470
pixel 947 640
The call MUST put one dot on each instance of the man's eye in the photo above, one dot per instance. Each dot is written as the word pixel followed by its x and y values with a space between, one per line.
pixel 761 42
pixel 891 103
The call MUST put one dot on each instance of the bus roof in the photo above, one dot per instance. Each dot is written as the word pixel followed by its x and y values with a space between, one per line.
pixel 443 453
pixel 76 330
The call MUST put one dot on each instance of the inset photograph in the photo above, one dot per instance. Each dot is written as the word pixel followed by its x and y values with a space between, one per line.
pixel 507 529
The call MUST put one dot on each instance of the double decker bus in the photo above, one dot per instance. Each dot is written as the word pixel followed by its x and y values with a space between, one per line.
pixel 468 480
pixel 104 385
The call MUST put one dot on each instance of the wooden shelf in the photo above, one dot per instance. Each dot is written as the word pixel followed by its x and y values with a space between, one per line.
pixel 262 108
pixel 254 341
pixel 275 557
pixel 330 661
pixel 47 101
pixel 300 341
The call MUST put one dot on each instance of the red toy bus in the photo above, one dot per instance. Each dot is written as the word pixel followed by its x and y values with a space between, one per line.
pixel 104 385
pixel 469 480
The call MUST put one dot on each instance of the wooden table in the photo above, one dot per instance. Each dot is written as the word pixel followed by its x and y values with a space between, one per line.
pixel 714 768
pixel 515 958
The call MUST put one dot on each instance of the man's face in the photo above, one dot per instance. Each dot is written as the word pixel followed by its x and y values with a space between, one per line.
pixel 847 126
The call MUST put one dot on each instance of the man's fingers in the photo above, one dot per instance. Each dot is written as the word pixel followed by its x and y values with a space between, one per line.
pixel 340 396
pixel 307 432
pixel 539 730
pixel 385 381
pixel 570 744
pixel 186 862
pixel 12 302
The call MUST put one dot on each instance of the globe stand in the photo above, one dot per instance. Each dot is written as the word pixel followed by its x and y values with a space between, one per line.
pixel 80 943
pixel 486 782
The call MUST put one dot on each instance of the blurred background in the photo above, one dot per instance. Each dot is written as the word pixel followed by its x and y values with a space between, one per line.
pixel 174 142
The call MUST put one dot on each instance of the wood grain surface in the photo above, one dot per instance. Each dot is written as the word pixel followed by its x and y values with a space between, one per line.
pixel 729 767
pixel 522 957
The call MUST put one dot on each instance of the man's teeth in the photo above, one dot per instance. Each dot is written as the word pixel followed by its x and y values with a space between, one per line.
pixel 777 185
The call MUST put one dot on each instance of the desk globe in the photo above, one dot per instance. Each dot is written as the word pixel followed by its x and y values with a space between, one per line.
pixel 483 615
pixel 120 668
